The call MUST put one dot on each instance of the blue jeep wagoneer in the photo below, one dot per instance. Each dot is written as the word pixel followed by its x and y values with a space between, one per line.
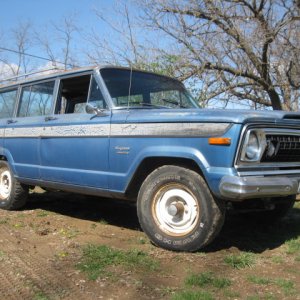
pixel 123 133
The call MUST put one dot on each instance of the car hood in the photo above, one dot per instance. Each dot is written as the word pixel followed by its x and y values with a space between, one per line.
pixel 212 115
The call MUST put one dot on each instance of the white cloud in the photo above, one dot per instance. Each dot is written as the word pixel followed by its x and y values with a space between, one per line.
pixel 7 70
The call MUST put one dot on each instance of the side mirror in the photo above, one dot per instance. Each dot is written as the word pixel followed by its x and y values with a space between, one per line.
pixel 97 112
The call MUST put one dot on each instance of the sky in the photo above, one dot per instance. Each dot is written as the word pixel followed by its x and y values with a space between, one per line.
pixel 41 13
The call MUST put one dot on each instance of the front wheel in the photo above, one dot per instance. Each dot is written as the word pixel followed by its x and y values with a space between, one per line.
pixel 177 211
pixel 13 194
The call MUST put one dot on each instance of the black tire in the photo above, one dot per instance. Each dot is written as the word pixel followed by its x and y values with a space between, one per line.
pixel 267 211
pixel 13 195
pixel 177 211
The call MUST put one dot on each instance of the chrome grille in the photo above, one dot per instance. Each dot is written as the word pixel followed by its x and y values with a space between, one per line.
pixel 282 148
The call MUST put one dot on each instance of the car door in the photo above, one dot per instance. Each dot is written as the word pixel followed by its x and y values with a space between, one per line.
pixel 74 144
pixel 8 98
pixel 22 133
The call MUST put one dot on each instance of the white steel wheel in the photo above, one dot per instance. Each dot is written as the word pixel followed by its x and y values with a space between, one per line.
pixel 5 184
pixel 175 210
pixel 13 195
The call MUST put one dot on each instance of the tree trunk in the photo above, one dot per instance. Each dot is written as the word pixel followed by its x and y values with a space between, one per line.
pixel 275 100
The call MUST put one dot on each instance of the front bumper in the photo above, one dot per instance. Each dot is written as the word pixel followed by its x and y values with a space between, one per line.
pixel 237 188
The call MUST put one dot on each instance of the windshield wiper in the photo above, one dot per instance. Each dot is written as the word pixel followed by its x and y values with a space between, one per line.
pixel 173 102
pixel 152 105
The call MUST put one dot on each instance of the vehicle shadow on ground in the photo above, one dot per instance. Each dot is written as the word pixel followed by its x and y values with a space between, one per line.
pixel 111 211
pixel 239 231
pixel 250 234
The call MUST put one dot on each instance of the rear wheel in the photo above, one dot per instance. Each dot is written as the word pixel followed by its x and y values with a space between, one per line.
pixel 13 195
pixel 177 211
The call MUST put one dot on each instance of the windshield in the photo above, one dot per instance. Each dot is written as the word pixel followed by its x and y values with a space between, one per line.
pixel 145 90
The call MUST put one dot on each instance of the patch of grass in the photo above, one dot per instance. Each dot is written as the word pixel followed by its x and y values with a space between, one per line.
pixel 231 294
pixel 93 226
pixel 102 222
pixel 166 290
pixel 259 280
pixel 287 286
pixel 207 279
pixel 193 295
pixel 240 261
pixel 293 246
pixel 42 214
pixel 69 233
pixel 4 220
pixel 18 225
pixel 40 296
pixel 141 241
pixel 21 216
pixel 96 259
pixel 62 254
pixel 277 259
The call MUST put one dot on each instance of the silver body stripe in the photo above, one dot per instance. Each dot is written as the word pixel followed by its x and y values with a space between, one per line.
pixel 59 131
pixel 131 129
pixel 169 129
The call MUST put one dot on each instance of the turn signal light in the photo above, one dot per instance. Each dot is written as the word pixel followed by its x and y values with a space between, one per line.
pixel 219 141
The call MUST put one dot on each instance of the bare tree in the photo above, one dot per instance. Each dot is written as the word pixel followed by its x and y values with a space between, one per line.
pixel 119 45
pixel 21 39
pixel 62 53
pixel 239 50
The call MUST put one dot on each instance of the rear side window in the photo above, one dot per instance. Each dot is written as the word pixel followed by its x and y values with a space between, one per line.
pixel 7 103
pixel 36 100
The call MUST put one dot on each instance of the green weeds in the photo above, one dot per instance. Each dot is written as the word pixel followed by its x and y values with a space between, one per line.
pixel 207 279
pixel 287 286
pixel 240 261
pixel 96 259
pixel 195 283
pixel 293 246
pixel 259 280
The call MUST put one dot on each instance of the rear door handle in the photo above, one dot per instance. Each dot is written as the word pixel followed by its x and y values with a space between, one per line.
pixel 11 121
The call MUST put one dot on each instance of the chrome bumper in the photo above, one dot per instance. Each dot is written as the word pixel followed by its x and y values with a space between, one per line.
pixel 240 188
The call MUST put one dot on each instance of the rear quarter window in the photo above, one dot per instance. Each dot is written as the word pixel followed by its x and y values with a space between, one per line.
pixel 7 103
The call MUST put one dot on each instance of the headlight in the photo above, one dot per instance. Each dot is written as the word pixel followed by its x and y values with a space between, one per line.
pixel 254 146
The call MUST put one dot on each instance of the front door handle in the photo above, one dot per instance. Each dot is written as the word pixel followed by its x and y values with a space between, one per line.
pixel 50 118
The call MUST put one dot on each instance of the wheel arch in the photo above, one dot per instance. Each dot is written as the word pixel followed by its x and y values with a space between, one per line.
pixel 149 164
pixel 6 156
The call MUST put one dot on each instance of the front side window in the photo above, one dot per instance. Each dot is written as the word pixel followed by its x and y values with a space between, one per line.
pixel 140 89
pixel 7 103
pixel 36 100
pixel 73 94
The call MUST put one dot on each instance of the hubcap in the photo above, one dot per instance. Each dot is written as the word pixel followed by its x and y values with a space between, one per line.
pixel 5 184
pixel 175 210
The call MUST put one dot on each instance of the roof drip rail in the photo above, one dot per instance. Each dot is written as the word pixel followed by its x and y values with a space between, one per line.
pixel 26 75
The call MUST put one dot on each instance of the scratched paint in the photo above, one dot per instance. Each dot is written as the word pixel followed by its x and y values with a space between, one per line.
pixel 134 129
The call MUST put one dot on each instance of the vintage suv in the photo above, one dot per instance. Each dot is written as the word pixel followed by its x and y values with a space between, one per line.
pixel 123 133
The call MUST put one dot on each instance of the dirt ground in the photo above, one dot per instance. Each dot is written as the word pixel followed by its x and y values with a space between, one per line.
pixel 41 246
